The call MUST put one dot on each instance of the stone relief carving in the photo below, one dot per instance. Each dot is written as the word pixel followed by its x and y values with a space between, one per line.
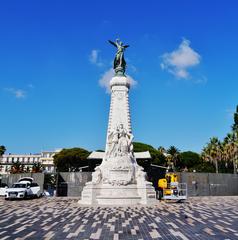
pixel 119 166
pixel 119 95
pixel 140 175
pixel 120 142
pixel 97 176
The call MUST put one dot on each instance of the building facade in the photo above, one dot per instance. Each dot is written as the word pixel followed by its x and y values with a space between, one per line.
pixel 47 160
pixel 28 160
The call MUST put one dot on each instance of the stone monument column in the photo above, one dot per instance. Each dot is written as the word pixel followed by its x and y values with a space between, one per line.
pixel 119 179
pixel 119 107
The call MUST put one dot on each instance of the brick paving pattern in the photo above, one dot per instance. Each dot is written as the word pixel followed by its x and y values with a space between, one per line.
pixel 63 218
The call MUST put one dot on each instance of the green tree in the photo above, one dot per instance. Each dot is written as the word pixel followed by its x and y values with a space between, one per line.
pixel 204 167
pixel 142 147
pixel 190 159
pixel 235 125
pixel 2 150
pixel 70 160
pixel 17 167
pixel 213 152
pixel 231 150
pixel 37 167
pixel 162 150
pixel 156 157
pixel 174 156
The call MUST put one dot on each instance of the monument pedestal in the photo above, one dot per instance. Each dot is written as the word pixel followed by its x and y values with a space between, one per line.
pixel 106 194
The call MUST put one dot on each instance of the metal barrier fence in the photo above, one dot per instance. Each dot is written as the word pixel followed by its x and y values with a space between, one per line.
pixel 12 178
pixel 71 183
pixel 210 184
pixel 198 184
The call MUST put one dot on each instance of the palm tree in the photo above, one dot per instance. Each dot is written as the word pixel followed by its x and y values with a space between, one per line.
pixel 226 153
pixel 162 150
pixel 17 167
pixel 231 146
pixel 213 151
pixel 174 154
pixel 37 167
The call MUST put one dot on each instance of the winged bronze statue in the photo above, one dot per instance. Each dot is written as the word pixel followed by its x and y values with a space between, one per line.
pixel 119 61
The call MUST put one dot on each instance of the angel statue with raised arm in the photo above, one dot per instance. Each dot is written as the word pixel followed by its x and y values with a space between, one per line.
pixel 119 61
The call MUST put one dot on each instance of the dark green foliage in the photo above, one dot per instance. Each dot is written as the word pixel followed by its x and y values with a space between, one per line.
pixel 2 150
pixel 37 167
pixel 142 147
pixel 173 150
pixel 225 167
pixel 175 156
pixel 236 116
pixel 157 157
pixel 49 180
pixel 189 159
pixel 17 167
pixel 204 167
pixel 235 125
pixel 70 160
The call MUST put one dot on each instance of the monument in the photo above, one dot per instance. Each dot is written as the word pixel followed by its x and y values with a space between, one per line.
pixel 119 179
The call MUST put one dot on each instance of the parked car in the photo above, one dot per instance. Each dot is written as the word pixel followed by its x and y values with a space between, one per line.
pixel 3 187
pixel 26 179
pixel 24 188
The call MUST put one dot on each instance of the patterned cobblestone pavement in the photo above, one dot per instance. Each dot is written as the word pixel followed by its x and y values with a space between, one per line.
pixel 63 218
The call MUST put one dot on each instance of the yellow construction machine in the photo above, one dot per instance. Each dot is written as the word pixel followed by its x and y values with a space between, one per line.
pixel 170 189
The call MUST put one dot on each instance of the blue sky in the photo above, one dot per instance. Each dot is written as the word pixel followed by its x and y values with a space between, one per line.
pixel 55 60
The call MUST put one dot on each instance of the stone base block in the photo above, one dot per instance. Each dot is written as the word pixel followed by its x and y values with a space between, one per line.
pixel 106 194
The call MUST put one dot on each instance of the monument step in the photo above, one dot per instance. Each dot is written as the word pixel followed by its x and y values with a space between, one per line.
pixel 118 197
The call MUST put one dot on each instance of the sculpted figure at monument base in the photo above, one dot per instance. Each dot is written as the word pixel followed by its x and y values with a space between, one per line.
pixel 119 180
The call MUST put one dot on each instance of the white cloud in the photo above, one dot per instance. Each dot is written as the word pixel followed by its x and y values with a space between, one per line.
pixel 94 58
pixel 18 93
pixel 180 60
pixel 104 81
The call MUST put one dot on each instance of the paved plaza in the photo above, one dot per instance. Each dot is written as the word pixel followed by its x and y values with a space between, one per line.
pixel 63 218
